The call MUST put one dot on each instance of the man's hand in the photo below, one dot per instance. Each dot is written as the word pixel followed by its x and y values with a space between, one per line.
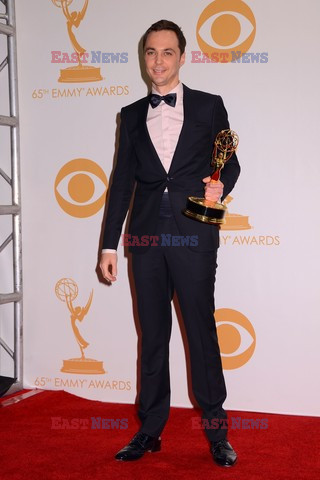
pixel 108 265
pixel 213 189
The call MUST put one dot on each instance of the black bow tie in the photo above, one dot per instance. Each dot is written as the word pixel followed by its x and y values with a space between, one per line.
pixel 169 99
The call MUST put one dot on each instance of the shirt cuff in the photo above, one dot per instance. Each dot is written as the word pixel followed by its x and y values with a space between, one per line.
pixel 108 250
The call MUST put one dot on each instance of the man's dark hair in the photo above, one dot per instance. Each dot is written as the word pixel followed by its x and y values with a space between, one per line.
pixel 166 25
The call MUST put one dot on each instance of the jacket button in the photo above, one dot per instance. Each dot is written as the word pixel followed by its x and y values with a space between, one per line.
pixel 169 179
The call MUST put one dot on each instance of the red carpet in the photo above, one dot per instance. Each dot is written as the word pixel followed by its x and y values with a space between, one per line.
pixel 30 449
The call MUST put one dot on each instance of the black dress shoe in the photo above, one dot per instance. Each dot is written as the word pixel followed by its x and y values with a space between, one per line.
pixel 223 454
pixel 139 445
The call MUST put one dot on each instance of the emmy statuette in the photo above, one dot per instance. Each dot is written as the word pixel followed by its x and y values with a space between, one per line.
pixel 204 210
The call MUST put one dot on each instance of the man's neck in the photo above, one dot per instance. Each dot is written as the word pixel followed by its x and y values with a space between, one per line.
pixel 163 90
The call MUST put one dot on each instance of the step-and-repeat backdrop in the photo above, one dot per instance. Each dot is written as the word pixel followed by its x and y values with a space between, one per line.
pixel 80 335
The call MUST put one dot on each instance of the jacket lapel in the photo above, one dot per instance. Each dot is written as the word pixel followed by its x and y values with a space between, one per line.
pixel 186 132
pixel 146 136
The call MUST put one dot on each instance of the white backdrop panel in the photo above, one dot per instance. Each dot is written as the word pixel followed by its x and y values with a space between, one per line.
pixel 267 273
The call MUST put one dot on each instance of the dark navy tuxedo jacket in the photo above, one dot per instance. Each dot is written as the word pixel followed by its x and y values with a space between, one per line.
pixel 138 165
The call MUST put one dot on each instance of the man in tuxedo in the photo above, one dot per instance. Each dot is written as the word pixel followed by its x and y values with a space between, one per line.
pixel 165 147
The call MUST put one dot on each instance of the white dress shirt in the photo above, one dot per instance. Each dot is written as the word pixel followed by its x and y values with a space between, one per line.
pixel 164 124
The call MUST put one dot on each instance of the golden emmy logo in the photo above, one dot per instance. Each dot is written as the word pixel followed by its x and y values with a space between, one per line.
pixel 79 73
pixel 234 221
pixel 236 336
pixel 66 290
pixel 80 187
pixel 222 28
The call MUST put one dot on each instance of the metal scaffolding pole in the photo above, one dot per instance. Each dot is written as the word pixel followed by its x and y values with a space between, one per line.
pixel 9 29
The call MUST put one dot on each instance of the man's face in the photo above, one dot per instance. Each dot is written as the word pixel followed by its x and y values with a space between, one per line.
pixel 163 59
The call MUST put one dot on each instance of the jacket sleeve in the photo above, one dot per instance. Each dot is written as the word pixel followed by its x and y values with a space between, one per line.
pixel 231 170
pixel 121 189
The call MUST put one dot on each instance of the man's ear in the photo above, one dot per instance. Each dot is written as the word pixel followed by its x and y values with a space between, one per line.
pixel 182 59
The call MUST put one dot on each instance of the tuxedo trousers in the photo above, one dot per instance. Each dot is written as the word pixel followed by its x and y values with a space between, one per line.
pixel 158 273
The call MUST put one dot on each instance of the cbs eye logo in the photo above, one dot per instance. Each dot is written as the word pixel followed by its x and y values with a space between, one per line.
pixel 80 187
pixel 226 26
pixel 236 336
